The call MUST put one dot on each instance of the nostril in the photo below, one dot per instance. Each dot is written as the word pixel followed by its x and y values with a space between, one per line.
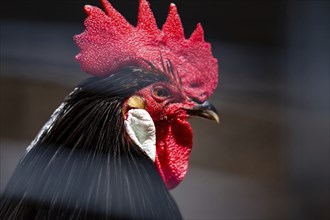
pixel 196 100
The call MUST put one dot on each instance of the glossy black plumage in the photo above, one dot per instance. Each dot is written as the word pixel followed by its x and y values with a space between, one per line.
pixel 85 166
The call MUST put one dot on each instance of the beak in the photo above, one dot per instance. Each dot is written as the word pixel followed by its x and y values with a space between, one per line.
pixel 204 110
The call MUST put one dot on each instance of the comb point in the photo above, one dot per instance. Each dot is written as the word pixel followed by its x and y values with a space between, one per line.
pixel 117 18
pixel 197 35
pixel 88 9
pixel 146 19
pixel 173 26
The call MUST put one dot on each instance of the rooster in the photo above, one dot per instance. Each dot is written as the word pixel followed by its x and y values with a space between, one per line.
pixel 120 140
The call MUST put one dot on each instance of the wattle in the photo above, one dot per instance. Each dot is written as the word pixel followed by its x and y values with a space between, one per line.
pixel 173 146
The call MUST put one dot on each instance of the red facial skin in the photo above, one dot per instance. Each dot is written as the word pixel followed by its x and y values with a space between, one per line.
pixel 166 103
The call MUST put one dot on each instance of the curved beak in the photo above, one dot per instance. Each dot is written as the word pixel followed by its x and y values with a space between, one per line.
pixel 204 110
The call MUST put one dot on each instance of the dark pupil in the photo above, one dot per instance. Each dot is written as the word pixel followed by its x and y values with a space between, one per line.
pixel 161 92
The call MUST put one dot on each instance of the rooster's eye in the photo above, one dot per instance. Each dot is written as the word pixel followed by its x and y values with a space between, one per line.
pixel 161 92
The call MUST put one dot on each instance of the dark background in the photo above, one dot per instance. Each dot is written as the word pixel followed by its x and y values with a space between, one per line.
pixel 268 158
pixel 253 22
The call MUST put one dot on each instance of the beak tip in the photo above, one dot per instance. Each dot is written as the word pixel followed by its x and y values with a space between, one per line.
pixel 217 120
pixel 214 117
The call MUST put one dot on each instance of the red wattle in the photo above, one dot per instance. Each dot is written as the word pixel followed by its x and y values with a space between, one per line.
pixel 174 144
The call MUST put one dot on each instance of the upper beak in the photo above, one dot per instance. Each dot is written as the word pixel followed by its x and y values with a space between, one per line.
pixel 205 110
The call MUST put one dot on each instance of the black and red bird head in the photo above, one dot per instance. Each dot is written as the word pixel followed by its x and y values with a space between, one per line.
pixel 110 43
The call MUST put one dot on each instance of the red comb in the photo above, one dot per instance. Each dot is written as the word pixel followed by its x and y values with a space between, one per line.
pixel 111 42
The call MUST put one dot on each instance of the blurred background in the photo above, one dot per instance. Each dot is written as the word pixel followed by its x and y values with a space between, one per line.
pixel 268 158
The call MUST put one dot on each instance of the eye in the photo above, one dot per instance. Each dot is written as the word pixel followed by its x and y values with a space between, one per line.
pixel 160 92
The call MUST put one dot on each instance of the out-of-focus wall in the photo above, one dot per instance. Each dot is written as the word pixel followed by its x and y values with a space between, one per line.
pixel 307 107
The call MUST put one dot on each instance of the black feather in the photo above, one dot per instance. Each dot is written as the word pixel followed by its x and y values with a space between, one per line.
pixel 84 166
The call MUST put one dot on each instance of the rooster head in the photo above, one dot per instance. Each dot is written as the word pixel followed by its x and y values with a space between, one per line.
pixel 156 115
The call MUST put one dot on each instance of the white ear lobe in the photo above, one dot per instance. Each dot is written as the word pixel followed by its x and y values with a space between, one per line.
pixel 141 129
